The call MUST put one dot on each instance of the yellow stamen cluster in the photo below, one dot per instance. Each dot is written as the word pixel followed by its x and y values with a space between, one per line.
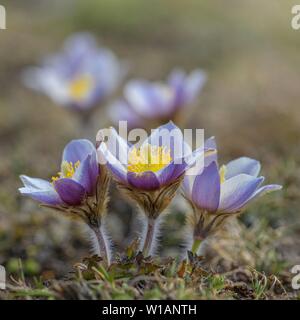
pixel 80 87
pixel 222 173
pixel 67 170
pixel 148 158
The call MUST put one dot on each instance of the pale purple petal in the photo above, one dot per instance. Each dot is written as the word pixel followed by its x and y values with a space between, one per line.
pixel 176 79
pixel 242 165
pixel 107 69
pixel 94 166
pixel 260 192
pixel 80 44
pixel 140 97
pixel 78 150
pixel 47 81
pixel 117 146
pixel 171 172
pixel 200 158
pixel 235 191
pixel 186 87
pixel 70 191
pixel 210 143
pixel 149 99
pixel 170 137
pixel 39 190
pixel 49 197
pixel 206 188
pixel 35 183
pixel 87 174
pixel 212 154
pixel 144 181
pixel 194 84
pixel 118 170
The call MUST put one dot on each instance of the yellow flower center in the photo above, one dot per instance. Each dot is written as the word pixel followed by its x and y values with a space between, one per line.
pixel 80 87
pixel 222 173
pixel 67 170
pixel 148 158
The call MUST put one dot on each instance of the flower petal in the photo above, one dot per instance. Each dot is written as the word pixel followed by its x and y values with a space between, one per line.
pixel 187 87
pixel 47 81
pixel 79 44
pixel 78 150
pixel 117 146
pixel 260 192
pixel 144 181
pixel 210 143
pixel 35 183
pixel 242 165
pixel 40 190
pixel 235 191
pixel 87 174
pixel 206 188
pixel 176 78
pixel 200 159
pixel 149 99
pixel 70 191
pixel 112 163
pixel 194 84
pixel 171 172
pixel 170 137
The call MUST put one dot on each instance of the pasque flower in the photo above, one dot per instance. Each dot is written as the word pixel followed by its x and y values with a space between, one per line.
pixel 157 102
pixel 78 77
pixel 218 193
pixel 78 190
pixel 150 173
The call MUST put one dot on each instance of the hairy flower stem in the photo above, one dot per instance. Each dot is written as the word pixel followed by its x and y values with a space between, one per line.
pixel 102 243
pixel 196 245
pixel 150 236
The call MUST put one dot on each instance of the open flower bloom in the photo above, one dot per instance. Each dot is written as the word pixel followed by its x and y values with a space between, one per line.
pixel 79 190
pixel 216 194
pixel 158 161
pixel 227 189
pixel 76 180
pixel 150 173
pixel 78 77
pixel 146 101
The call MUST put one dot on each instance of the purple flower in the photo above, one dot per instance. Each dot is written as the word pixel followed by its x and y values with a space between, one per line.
pixel 76 180
pixel 145 101
pixel 160 160
pixel 78 77
pixel 227 189
pixel 149 173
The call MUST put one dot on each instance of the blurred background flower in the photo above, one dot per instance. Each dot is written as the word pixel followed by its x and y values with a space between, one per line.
pixel 149 104
pixel 79 77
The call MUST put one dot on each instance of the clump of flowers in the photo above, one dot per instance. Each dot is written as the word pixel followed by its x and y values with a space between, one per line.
pixel 150 104
pixel 149 174
pixel 79 190
pixel 216 194
pixel 80 76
